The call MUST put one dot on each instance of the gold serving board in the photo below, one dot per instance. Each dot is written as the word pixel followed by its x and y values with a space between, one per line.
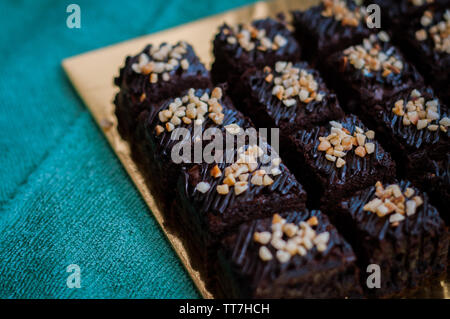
pixel 92 75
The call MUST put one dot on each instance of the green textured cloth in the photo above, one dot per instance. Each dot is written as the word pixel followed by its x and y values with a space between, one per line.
pixel 64 197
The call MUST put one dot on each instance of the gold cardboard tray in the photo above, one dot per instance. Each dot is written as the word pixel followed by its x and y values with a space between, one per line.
pixel 92 76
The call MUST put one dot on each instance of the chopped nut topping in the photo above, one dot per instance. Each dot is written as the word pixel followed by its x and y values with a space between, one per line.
pixel 291 82
pixel 190 108
pixel 298 239
pixel 161 61
pixel 423 114
pixel 339 142
pixel 203 187
pixel 340 11
pixel 262 238
pixel 440 32
pixel 265 254
pixel 369 57
pixel 250 38
pixel 223 189
pixel 391 201
pixel 238 173
pixel 216 172
pixel 233 129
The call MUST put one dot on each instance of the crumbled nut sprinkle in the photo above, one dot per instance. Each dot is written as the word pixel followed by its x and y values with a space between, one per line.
pixel 251 38
pixel 191 108
pixel 290 239
pixel 390 201
pixel 421 113
pixel 340 11
pixel 339 142
pixel 291 82
pixel 161 61
pixel 237 175
pixel 369 57
pixel 440 32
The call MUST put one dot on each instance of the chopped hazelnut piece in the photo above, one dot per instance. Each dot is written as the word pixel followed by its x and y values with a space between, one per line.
pixel 203 187
pixel 216 172
pixel 265 254
pixel 223 189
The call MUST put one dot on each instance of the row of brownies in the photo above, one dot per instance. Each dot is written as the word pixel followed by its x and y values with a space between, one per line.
pixel 247 219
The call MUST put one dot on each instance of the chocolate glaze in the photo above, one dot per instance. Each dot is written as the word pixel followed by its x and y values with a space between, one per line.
pixel 322 36
pixel 324 178
pixel 132 85
pixel 408 254
pixel 331 274
pixel 231 60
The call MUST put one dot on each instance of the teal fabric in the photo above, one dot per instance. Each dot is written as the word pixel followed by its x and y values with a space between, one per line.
pixel 64 197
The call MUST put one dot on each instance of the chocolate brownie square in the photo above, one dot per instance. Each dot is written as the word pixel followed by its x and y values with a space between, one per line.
pixel 155 74
pixel 413 122
pixel 289 96
pixel 257 44
pixel 426 41
pixel 338 159
pixel 331 26
pixel 413 126
pixel 370 72
pixel 196 111
pixel 295 255
pixel 213 199
pixel 395 227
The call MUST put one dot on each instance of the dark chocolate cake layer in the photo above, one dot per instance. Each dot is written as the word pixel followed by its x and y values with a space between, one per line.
pixel 394 227
pixel 155 74
pixel 295 255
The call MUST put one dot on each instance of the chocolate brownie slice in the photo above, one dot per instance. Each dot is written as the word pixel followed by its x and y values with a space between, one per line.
pixel 195 111
pixel 257 44
pixel 337 159
pixel 153 75
pixel 289 96
pixel 296 255
pixel 395 227
pixel 331 26
pixel 213 199
pixel 370 72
